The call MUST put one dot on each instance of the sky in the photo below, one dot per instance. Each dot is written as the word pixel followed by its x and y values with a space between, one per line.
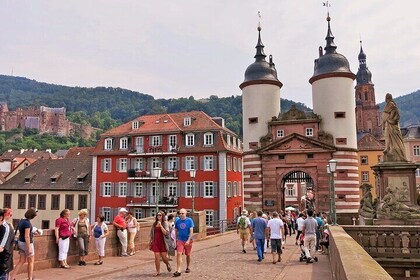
pixel 183 48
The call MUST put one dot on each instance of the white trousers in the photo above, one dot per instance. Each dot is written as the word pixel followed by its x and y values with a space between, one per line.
pixel 100 246
pixel 63 248
pixel 309 243
pixel 122 235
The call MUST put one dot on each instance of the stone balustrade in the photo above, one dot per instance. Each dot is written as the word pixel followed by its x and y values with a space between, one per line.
pixel 396 248
pixel 349 261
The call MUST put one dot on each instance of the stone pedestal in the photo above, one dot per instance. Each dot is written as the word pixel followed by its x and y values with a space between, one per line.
pixel 400 176
pixel 363 221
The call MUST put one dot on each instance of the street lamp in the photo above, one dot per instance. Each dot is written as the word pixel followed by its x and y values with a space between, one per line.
pixel 193 172
pixel 156 173
pixel 332 164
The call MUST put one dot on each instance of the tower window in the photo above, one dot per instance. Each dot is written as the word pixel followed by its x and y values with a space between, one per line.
pixel 341 141
pixel 364 160
pixel 282 156
pixel 253 145
pixel 253 120
pixel 340 115
pixel 280 133
pixel 309 131
pixel 310 155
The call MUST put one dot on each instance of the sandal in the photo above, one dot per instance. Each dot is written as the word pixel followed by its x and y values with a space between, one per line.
pixel 98 263
pixel 187 270
pixel 168 267
pixel 156 274
pixel 65 266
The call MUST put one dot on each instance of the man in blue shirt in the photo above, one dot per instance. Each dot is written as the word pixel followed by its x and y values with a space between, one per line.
pixel 184 231
pixel 258 228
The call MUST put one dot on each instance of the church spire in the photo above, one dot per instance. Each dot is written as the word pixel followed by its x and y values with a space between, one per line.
pixel 260 55
pixel 364 76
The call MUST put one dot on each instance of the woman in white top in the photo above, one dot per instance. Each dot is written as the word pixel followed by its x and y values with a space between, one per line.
pixel 132 231
pixel 100 232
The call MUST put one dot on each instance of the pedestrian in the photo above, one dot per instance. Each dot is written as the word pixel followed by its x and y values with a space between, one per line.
pixel 243 228
pixel 299 223
pixel 159 230
pixel 251 238
pixel 6 245
pixel 318 230
pixel 63 231
pixel 275 227
pixel 172 232
pixel 184 232
pixel 289 222
pixel 26 244
pixel 121 226
pixel 258 227
pixel 82 233
pixel 309 230
pixel 132 231
pixel 100 232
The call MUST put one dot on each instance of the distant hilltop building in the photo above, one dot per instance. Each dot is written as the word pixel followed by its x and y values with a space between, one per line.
pixel 44 119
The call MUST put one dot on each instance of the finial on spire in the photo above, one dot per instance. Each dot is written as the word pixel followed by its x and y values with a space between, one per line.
pixel 260 55
pixel 330 47
pixel 259 21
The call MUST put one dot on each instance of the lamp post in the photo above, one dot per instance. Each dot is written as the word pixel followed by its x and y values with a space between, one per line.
pixel 193 172
pixel 333 167
pixel 156 173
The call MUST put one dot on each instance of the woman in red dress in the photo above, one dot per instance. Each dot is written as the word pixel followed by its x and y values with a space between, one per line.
pixel 159 229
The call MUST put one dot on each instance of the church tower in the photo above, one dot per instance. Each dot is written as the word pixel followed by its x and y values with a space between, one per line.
pixel 260 97
pixel 333 100
pixel 367 112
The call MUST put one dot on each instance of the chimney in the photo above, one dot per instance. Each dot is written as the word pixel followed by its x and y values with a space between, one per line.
pixel 21 151
pixel 48 151
pixel 219 120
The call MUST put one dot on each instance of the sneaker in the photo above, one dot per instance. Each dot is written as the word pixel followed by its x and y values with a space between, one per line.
pixel 176 274
pixel 187 270
pixel 259 260
pixel 124 255
pixel 244 251
pixel 83 263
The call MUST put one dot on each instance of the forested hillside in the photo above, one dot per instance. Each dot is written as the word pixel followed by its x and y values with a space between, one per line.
pixel 409 106
pixel 106 107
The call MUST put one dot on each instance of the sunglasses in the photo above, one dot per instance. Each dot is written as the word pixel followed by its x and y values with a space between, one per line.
pixel 159 215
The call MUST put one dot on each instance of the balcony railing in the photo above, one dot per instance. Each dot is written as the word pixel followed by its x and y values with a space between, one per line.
pixel 164 201
pixel 220 226
pixel 147 174
pixel 153 150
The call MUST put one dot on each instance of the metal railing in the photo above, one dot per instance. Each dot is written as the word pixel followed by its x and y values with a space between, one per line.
pixel 168 201
pixel 220 226
pixel 147 174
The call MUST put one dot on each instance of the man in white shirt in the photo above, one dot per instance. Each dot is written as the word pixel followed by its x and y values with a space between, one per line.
pixel 275 227
pixel 299 223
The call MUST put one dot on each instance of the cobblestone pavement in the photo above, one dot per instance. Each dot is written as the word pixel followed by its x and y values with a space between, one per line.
pixel 214 258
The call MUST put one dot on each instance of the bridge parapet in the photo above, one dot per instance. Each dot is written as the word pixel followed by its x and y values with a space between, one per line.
pixel 396 248
pixel 349 261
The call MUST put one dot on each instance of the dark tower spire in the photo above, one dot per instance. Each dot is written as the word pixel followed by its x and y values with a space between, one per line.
pixel 260 55
pixel 364 76
pixel 330 47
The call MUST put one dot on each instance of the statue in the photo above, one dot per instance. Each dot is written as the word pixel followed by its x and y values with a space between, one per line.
pixel 391 207
pixel 394 146
pixel 308 201
pixel 367 205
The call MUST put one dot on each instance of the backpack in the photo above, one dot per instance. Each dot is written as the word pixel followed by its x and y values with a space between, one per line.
pixel 242 223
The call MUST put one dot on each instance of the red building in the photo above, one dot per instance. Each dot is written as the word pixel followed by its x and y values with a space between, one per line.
pixel 127 158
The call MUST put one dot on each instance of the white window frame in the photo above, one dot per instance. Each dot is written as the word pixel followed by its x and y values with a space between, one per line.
pixel 172 140
pixel 208 189
pixel 418 172
pixel 416 150
pixel 156 163
pixel 107 165
pixel 280 133
pixel 172 163
pixel 139 164
pixel 208 163
pixel 235 163
pixel 123 165
pixel 156 141
pixel 235 189
pixel 364 160
pixel 190 140
pixel 138 189
pixel 291 190
pixel 122 189
pixel 229 189
pixel 172 189
pixel 365 176
pixel 135 125
pixel 209 218
pixel 138 213
pixel 189 163
pixel 234 142
pixel 139 144
pixel 228 139
pixel 124 143
pixel 309 131
pixel 187 121
pixel 208 139
pixel 107 189
pixel 189 189
pixel 106 211
pixel 108 144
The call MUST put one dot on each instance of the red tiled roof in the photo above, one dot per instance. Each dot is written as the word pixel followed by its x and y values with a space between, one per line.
pixel 80 152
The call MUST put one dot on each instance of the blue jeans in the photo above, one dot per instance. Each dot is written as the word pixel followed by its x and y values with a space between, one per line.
pixel 318 238
pixel 260 248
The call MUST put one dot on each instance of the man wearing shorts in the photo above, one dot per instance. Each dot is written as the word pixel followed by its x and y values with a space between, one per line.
pixel 275 228
pixel 243 228
pixel 184 231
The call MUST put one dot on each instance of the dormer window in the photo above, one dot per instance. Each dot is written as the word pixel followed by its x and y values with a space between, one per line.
pixel 54 178
pixel 81 178
pixel 228 140
pixel 189 140
pixel 135 125
pixel 234 142
pixel 309 131
pixel 187 121
pixel 208 139
pixel 29 178
pixel 124 143
pixel 108 144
